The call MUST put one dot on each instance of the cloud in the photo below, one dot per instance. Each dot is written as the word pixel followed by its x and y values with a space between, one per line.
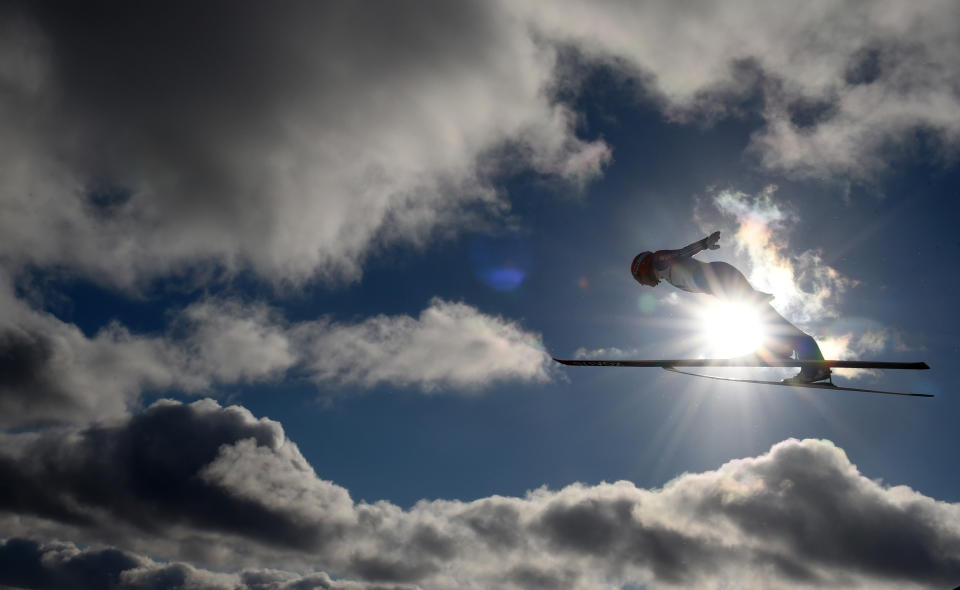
pixel 230 341
pixel 291 141
pixel 451 345
pixel 214 485
pixel 25 563
pixel 671 299
pixel 843 86
pixel 865 344
pixel 605 353
pixel 151 474
pixel 51 372
pixel 806 289
pixel 54 373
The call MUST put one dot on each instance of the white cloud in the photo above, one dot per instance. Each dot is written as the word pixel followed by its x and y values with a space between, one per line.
pixel 237 493
pixel 806 289
pixel 861 345
pixel 671 299
pixel 841 82
pixel 451 345
pixel 234 342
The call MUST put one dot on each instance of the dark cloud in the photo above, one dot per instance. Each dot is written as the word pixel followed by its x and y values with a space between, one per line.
pixel 147 474
pixel 27 390
pixel 26 563
pixel 606 529
pixel 51 372
pixel 24 493
pixel 528 576
pixel 22 360
pixel 290 140
pixel 590 526
pixel 276 580
pixel 864 66
pixel 806 113
pixel 428 540
pixel 397 570
pixel 496 523
pixel 215 486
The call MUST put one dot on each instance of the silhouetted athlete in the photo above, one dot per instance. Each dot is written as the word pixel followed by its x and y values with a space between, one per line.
pixel 680 269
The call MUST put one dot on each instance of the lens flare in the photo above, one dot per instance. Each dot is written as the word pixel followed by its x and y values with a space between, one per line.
pixel 730 329
pixel 501 263
pixel 647 303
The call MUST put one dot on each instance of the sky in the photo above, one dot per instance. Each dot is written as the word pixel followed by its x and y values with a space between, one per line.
pixel 281 284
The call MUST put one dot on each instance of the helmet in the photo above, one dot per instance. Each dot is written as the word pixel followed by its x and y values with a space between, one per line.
pixel 640 265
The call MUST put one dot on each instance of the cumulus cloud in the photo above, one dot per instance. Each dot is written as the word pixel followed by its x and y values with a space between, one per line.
pixel 861 344
pixel 843 84
pixel 151 473
pixel 52 372
pixel 231 341
pixel 236 491
pixel 290 140
pixel 451 345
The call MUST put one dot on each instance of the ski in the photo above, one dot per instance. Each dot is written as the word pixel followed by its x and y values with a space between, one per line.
pixel 745 362
pixel 808 385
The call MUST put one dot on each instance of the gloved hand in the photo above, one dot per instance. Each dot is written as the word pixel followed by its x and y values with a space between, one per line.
pixel 712 240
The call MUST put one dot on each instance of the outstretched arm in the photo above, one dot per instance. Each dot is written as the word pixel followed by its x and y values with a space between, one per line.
pixel 707 243
pixel 665 257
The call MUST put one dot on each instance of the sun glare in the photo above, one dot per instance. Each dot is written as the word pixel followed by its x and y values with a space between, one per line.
pixel 730 329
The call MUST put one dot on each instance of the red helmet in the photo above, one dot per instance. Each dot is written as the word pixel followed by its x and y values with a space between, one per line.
pixel 640 265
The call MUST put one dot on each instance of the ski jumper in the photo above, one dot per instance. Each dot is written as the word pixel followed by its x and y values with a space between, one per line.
pixel 723 280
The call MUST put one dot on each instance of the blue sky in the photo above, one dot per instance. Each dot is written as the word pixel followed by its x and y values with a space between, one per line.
pixel 279 294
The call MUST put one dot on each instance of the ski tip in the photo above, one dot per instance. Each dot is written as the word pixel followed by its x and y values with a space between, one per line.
pixel 920 366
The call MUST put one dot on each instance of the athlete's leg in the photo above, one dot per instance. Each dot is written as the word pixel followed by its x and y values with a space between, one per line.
pixel 782 336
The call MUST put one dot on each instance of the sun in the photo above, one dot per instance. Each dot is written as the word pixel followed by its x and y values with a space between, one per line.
pixel 730 329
